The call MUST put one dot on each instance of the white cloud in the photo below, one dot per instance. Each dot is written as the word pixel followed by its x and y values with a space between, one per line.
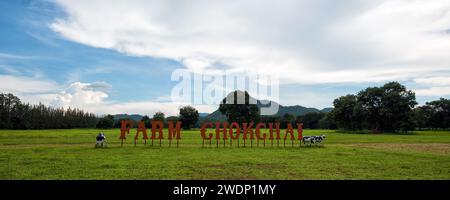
pixel 32 90
pixel 38 90
pixel 437 86
pixel 306 42
pixel 93 97
pixel 24 84
pixel 438 80
pixel 34 99
pixel 145 108
pixel 82 94
pixel 437 91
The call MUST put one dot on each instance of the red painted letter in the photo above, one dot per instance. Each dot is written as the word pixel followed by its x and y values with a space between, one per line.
pixel 125 126
pixel 300 131
pixel 238 131
pixel 223 130
pixel 203 130
pixel 289 130
pixel 141 128
pixel 258 131
pixel 277 129
pixel 157 126
pixel 174 132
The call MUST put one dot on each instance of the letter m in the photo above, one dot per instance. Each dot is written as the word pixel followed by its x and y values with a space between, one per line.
pixel 174 132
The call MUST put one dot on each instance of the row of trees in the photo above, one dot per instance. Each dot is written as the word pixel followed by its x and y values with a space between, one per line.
pixel 433 115
pixel 17 115
pixel 390 108
pixel 188 116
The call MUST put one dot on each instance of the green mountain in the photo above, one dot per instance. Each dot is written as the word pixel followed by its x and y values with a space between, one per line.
pixel 296 110
pixel 326 110
pixel 134 117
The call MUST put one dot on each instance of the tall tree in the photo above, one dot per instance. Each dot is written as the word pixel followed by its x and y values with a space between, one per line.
pixel 159 116
pixel 188 116
pixel 147 121
pixel 240 108
pixel 345 112
pixel 370 100
pixel 397 104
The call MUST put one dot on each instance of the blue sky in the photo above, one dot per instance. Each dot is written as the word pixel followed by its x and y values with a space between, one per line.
pixel 118 57
pixel 31 48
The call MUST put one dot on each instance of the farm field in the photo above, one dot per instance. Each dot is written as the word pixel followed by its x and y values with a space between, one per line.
pixel 70 154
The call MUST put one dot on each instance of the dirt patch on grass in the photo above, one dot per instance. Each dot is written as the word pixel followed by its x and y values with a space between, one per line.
pixel 435 148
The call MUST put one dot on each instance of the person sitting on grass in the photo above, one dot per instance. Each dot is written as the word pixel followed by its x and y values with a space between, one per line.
pixel 101 140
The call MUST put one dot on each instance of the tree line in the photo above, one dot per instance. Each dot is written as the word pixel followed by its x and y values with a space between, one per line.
pixel 14 114
pixel 188 116
pixel 17 115
pixel 389 108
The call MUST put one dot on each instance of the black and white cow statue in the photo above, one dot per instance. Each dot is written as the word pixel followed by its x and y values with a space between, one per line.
pixel 319 139
pixel 308 140
pixel 313 139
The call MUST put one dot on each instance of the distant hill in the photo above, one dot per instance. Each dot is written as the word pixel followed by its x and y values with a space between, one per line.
pixel 296 110
pixel 326 110
pixel 214 116
pixel 203 114
pixel 293 110
pixel 135 117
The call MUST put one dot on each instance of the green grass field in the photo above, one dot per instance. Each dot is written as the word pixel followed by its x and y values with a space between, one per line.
pixel 69 154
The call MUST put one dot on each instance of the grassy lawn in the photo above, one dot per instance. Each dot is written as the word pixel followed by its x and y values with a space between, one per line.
pixel 69 154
